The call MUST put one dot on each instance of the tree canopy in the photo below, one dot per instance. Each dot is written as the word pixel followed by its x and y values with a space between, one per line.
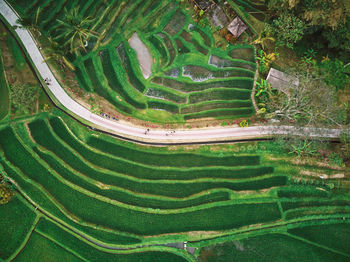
pixel 75 29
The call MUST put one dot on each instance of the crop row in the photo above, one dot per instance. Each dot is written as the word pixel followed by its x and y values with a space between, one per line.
pixel 236 82
pixel 117 79
pixel 149 157
pixel 287 205
pixel 194 108
pixel 67 240
pixel 222 113
pixel 166 188
pixel 120 218
pixel 45 201
pixel 126 196
pixel 100 88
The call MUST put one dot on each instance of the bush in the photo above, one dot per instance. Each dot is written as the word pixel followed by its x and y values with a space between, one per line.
pixel 287 29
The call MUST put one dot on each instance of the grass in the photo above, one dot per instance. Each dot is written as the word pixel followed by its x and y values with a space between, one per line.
pixel 16 222
pixel 219 94
pixel 305 203
pixel 16 53
pixel 203 106
pixel 301 192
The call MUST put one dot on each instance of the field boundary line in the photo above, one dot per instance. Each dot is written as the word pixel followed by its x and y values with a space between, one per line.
pixel 317 245
pixel 60 245
pixel 26 240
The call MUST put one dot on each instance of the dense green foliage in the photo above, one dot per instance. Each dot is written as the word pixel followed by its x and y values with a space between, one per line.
pixel 287 29
pixel 327 21
pixel 97 35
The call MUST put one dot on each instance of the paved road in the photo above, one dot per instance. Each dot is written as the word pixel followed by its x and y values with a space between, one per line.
pixel 124 129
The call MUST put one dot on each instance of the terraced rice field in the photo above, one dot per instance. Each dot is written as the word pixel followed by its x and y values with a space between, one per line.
pixel 185 75
pixel 84 196
pixel 121 194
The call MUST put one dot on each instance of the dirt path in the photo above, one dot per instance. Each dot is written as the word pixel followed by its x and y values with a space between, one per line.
pixel 143 55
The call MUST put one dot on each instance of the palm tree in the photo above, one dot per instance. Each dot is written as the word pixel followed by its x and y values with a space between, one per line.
pixel 75 29
pixel 262 39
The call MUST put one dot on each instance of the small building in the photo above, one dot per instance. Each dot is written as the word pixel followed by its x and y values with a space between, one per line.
pixel 281 81
pixel 237 27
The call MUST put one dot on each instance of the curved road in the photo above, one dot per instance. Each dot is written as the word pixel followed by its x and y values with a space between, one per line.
pixel 122 129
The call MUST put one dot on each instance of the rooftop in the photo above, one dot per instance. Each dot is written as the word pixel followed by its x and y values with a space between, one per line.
pixel 237 27
pixel 281 80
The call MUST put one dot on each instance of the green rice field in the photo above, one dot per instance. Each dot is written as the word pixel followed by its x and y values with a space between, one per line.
pixel 82 195
pixel 89 185
pixel 186 69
